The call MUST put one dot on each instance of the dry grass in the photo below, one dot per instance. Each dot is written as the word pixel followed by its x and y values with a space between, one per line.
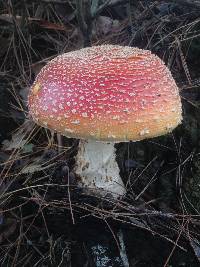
pixel 41 205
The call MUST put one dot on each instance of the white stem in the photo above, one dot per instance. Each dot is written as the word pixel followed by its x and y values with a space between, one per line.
pixel 97 168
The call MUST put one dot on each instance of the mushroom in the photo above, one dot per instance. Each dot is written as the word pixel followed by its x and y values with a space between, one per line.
pixel 104 95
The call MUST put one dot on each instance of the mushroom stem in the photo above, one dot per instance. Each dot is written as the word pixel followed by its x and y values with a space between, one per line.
pixel 97 168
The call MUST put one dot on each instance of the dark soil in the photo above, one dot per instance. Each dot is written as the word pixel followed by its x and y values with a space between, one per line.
pixel 45 219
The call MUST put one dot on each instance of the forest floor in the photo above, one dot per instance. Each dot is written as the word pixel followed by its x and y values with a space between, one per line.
pixel 45 219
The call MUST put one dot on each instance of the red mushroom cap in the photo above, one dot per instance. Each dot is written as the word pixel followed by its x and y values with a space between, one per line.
pixel 108 93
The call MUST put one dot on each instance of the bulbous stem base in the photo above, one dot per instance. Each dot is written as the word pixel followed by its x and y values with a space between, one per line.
pixel 97 168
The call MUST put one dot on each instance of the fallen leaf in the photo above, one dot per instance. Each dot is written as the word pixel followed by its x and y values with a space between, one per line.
pixel 196 247
pixel 19 138
pixel 42 23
